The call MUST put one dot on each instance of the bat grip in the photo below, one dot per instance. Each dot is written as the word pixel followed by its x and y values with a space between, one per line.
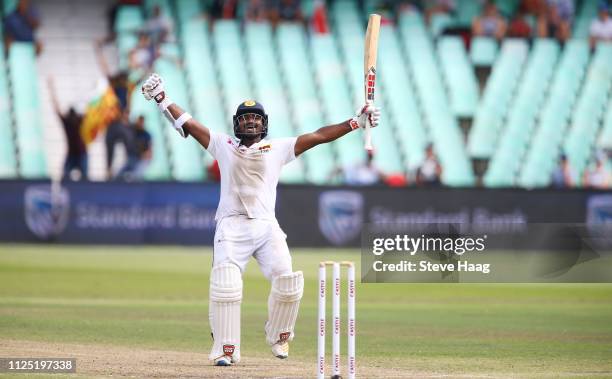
pixel 367 136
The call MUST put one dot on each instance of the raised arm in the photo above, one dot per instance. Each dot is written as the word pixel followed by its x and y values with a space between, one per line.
pixel 182 121
pixel 367 113
pixel 53 96
pixel 101 60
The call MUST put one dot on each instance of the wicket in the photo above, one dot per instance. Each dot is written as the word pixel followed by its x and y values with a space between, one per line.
pixel 351 331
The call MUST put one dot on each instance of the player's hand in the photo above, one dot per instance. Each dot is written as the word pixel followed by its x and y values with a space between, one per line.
pixel 153 88
pixel 367 113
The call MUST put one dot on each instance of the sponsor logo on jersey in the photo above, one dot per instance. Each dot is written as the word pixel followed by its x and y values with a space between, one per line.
pixel 265 148
pixel 46 210
pixel 340 215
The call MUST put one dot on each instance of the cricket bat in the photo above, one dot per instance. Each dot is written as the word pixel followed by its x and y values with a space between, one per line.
pixel 369 69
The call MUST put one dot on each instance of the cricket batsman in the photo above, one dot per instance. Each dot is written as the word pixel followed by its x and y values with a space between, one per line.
pixel 246 225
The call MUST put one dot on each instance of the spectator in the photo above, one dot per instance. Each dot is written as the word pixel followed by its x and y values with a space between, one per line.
pixel 599 177
pixel 285 11
pixel 439 7
pixel 556 20
pixel 226 9
pixel 142 57
pixel 214 172
pixel 490 23
pixel 562 176
pixel 319 22
pixel 117 133
pixel 519 27
pixel 139 152
pixel 111 18
pixel 430 172
pixel 256 11
pixel 601 27
pixel 362 174
pixel 386 10
pixel 533 7
pixel 76 156
pixel 158 28
pixel 120 82
pixel 20 25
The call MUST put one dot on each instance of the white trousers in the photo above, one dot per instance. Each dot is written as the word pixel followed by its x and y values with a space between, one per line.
pixel 237 238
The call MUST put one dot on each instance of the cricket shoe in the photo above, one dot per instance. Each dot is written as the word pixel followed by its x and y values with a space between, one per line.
pixel 223 361
pixel 281 349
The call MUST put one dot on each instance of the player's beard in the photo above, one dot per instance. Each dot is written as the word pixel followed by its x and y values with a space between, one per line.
pixel 250 133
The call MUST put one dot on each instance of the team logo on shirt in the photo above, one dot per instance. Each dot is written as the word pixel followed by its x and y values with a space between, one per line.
pixel 264 148
pixel 340 215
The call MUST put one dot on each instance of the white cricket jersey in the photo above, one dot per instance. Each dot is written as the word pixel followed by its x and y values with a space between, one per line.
pixel 249 175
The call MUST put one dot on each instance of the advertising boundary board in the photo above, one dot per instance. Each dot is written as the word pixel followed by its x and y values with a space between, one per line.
pixel 311 216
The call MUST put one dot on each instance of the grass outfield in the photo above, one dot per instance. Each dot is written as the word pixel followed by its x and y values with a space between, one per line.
pixel 117 307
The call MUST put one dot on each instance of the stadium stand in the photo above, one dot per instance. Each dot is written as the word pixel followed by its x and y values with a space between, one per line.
pixel 589 111
pixel 539 100
pixel 545 147
pixel 270 91
pixel 8 161
pixel 459 76
pixel 523 112
pixel 443 127
pixel 27 108
pixel 293 56
pixel 483 51
pixel 497 96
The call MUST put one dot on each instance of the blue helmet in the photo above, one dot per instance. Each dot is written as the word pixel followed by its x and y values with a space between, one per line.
pixel 250 106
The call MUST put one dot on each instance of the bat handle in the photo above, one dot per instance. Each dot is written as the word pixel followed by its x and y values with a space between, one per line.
pixel 367 136
pixel 367 132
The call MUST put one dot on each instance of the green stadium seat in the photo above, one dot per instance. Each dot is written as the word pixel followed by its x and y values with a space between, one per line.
pixel 507 7
pixel 188 10
pixel 586 14
pixel 550 136
pixel 334 92
pixel 9 6
pixel 231 63
pixel 466 11
pixel 129 19
pixel 270 92
pixel 444 130
pixel 8 161
pixel 605 138
pixel 159 168
pixel 483 51
pixel 26 105
pixel 439 22
pixel 488 122
pixel 293 57
pixel 164 5
pixel 460 78
pixel 186 155
pixel 201 76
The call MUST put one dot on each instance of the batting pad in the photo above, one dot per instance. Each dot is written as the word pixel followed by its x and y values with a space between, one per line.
pixel 224 313
pixel 283 306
